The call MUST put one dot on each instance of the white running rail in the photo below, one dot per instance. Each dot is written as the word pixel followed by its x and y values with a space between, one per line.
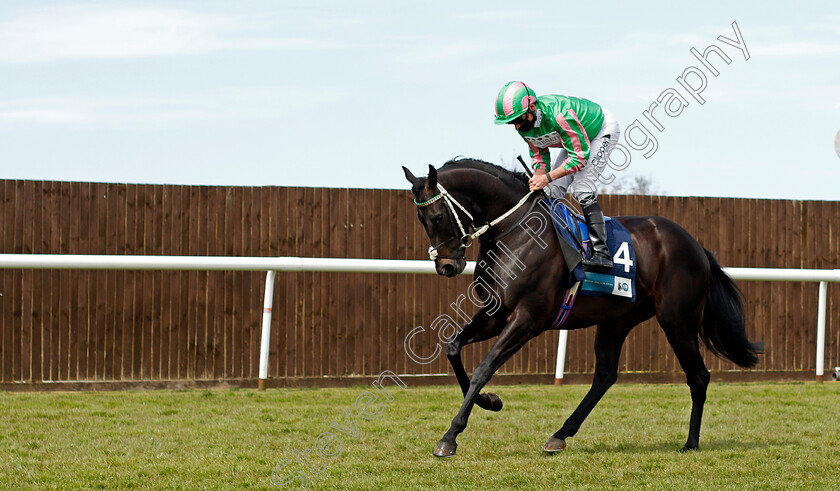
pixel 274 264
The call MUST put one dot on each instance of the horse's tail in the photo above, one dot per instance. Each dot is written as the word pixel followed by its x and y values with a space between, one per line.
pixel 723 329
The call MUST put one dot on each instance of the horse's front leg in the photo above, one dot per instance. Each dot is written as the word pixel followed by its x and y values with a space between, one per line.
pixel 480 328
pixel 517 332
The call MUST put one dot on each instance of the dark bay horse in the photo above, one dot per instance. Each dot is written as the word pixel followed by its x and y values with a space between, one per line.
pixel 677 280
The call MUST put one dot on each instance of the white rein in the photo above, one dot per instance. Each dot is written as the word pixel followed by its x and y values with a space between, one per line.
pixel 451 202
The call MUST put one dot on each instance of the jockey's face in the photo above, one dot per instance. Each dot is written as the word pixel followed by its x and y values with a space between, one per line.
pixel 526 121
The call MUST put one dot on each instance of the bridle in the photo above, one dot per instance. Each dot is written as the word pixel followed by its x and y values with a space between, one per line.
pixel 466 237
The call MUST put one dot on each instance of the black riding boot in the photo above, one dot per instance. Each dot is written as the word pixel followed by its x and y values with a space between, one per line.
pixel 601 257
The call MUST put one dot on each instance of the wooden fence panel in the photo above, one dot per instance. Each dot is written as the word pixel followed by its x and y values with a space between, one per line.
pixel 7 241
pixel 63 326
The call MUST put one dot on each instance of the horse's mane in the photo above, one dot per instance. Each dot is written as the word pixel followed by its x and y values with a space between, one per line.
pixel 493 169
pixel 510 178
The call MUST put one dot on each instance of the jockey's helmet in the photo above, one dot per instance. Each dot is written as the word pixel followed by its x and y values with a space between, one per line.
pixel 513 101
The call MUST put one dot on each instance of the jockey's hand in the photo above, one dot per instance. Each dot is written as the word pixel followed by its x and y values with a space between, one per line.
pixel 537 181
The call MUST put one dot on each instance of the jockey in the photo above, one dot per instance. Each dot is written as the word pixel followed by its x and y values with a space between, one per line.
pixel 575 126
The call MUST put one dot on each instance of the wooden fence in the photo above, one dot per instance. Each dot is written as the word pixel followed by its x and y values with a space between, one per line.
pixel 70 326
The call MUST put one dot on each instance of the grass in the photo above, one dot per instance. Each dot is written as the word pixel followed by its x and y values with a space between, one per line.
pixel 756 436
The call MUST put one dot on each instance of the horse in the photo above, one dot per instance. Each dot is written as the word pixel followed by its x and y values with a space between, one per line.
pixel 677 280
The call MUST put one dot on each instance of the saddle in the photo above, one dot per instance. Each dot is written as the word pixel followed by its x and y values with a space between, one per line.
pixel 574 241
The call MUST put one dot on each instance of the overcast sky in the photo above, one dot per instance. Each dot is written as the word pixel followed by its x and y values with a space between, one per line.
pixel 342 93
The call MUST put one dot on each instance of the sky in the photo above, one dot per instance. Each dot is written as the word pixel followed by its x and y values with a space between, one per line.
pixel 342 94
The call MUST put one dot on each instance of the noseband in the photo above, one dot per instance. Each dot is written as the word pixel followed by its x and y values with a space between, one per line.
pixel 466 238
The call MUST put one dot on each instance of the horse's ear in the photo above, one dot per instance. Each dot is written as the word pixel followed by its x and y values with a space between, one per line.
pixel 409 175
pixel 432 177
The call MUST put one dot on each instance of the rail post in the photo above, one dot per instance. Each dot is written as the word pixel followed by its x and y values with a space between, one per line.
pixel 268 302
pixel 821 330
pixel 561 357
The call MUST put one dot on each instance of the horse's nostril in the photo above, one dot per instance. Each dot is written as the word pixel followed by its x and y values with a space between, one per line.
pixel 448 269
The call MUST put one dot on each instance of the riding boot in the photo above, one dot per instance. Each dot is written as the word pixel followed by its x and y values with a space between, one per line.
pixel 600 259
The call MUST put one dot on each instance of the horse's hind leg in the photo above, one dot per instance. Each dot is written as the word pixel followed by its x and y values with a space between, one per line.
pixel 609 338
pixel 685 344
pixel 679 309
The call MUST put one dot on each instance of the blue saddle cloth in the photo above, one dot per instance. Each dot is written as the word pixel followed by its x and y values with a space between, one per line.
pixel 620 280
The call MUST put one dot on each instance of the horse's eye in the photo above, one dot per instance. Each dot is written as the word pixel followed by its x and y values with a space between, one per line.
pixel 437 219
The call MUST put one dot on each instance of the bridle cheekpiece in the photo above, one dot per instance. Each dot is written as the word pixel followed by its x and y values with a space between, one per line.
pixel 466 237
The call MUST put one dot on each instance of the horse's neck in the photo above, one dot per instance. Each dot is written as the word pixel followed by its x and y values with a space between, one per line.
pixel 512 246
pixel 487 195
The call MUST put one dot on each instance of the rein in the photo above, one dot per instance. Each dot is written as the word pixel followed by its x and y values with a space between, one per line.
pixel 466 238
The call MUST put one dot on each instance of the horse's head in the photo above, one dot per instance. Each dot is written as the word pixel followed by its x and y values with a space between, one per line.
pixel 442 223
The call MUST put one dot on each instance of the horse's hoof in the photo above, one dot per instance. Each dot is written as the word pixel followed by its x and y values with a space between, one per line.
pixel 445 449
pixel 554 444
pixel 686 448
pixel 490 402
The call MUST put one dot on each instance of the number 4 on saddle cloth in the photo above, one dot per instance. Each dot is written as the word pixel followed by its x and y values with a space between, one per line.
pixel 620 280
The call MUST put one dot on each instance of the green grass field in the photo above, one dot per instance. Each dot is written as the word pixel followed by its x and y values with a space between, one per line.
pixel 755 436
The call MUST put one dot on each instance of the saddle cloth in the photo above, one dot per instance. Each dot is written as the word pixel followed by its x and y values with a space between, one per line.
pixel 620 280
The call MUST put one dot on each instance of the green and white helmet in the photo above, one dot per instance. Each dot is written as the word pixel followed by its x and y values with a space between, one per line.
pixel 513 100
